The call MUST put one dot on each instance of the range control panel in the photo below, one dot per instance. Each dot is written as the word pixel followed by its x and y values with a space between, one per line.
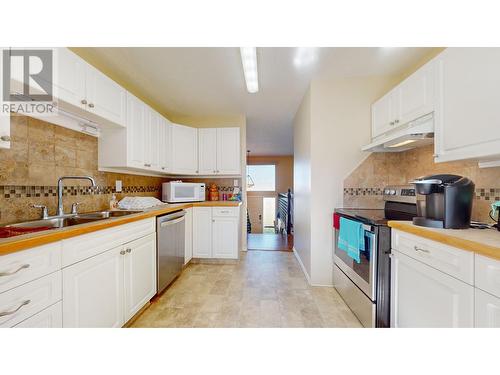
pixel 405 193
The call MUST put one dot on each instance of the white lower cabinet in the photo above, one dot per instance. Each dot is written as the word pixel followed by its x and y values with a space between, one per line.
pixel 188 243
pixel 487 310
pixel 51 317
pixel 108 289
pixel 422 296
pixel 215 232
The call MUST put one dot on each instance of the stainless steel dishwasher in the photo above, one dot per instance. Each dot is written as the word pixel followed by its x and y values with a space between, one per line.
pixel 170 247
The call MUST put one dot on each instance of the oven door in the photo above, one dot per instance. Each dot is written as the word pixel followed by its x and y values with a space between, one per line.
pixel 362 274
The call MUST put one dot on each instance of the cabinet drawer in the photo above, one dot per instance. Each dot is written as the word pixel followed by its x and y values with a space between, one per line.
pixel 487 274
pixel 455 262
pixel 85 246
pixel 51 317
pixel 28 299
pixel 24 266
pixel 225 211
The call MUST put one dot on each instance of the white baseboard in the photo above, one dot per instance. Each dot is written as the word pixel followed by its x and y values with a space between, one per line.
pixel 308 278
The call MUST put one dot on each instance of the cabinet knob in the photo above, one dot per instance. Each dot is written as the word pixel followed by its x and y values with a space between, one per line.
pixel 391 123
pixel 435 155
pixel 5 138
pixel 129 250
pixel 397 121
pixel 84 101
pixel 197 172
pixel 122 252
pixel 91 105
pixel 147 165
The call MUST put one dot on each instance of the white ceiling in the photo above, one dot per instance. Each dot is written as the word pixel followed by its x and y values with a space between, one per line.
pixel 210 82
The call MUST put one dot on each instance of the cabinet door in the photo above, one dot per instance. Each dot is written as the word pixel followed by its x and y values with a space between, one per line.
pixel 136 132
pixel 188 242
pixel 105 97
pixel 93 291
pixel 468 115
pixel 422 296
pixel 165 147
pixel 151 139
pixel 487 310
pixel 417 94
pixel 207 151
pixel 202 232
pixel 70 79
pixel 225 237
pixel 228 151
pixel 184 149
pixel 139 274
pixel 381 116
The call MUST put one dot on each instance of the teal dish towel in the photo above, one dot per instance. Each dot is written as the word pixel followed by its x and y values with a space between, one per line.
pixel 351 238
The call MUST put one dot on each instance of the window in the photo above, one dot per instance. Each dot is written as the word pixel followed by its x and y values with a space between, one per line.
pixel 261 177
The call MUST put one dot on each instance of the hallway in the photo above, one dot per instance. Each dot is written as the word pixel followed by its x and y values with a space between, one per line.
pixel 263 289
pixel 269 241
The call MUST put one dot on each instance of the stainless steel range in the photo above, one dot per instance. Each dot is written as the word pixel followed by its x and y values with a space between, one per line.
pixel 365 284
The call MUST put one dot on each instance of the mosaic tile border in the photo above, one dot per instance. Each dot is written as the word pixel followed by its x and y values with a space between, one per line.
pixel 488 194
pixel 18 191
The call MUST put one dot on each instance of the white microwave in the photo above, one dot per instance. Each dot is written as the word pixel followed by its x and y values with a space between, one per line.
pixel 178 192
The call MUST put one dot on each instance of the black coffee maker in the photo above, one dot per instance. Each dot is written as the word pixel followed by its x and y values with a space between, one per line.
pixel 448 201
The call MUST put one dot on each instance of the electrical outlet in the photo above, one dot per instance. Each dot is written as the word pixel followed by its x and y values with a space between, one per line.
pixel 118 186
pixel 236 183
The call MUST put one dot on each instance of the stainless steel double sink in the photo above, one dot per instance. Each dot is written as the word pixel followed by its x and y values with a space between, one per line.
pixel 72 219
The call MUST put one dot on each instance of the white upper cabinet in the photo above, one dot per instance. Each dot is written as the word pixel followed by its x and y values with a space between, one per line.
pixel 184 149
pixel 165 144
pixel 468 115
pixel 228 151
pixel 70 82
pixel 417 94
pixel 207 151
pixel 408 101
pixel 152 140
pixel 105 98
pixel 135 134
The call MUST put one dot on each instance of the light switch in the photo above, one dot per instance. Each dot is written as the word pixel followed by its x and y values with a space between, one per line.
pixel 118 186
pixel 236 183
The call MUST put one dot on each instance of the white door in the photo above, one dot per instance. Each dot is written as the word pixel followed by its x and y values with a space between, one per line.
pixel 93 291
pixel 188 242
pixel 207 151
pixel 70 80
pixel 225 237
pixel 468 119
pixel 152 140
pixel 184 149
pixel 136 132
pixel 202 232
pixel 422 296
pixel 105 97
pixel 417 94
pixel 139 274
pixel 381 116
pixel 487 310
pixel 228 151
pixel 165 150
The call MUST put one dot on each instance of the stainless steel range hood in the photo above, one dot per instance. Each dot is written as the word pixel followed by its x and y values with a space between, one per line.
pixel 417 133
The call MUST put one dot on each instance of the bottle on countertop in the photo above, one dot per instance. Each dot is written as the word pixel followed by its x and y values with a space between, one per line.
pixel 113 203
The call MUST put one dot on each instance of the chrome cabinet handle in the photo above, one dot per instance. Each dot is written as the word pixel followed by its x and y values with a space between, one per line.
pixel 122 252
pixel 396 122
pixel 147 165
pixel 24 266
pixel 91 105
pixel 5 138
pixel 84 101
pixel 24 303
pixel 391 123
pixel 129 250
pixel 420 249
pixel 197 172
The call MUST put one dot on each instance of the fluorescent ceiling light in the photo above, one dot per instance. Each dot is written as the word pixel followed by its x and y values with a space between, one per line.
pixel 249 61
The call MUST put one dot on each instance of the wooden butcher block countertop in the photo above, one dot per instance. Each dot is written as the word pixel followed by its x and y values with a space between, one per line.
pixel 26 241
pixel 480 241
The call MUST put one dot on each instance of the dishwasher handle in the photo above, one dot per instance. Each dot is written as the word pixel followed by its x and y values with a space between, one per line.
pixel 171 222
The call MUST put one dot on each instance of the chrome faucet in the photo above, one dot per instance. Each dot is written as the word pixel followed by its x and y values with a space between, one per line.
pixel 60 209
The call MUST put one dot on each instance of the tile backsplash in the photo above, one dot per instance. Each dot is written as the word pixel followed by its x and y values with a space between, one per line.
pixel 363 187
pixel 40 153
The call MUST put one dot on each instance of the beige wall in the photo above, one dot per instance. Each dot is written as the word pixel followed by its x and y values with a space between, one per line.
pixel 302 183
